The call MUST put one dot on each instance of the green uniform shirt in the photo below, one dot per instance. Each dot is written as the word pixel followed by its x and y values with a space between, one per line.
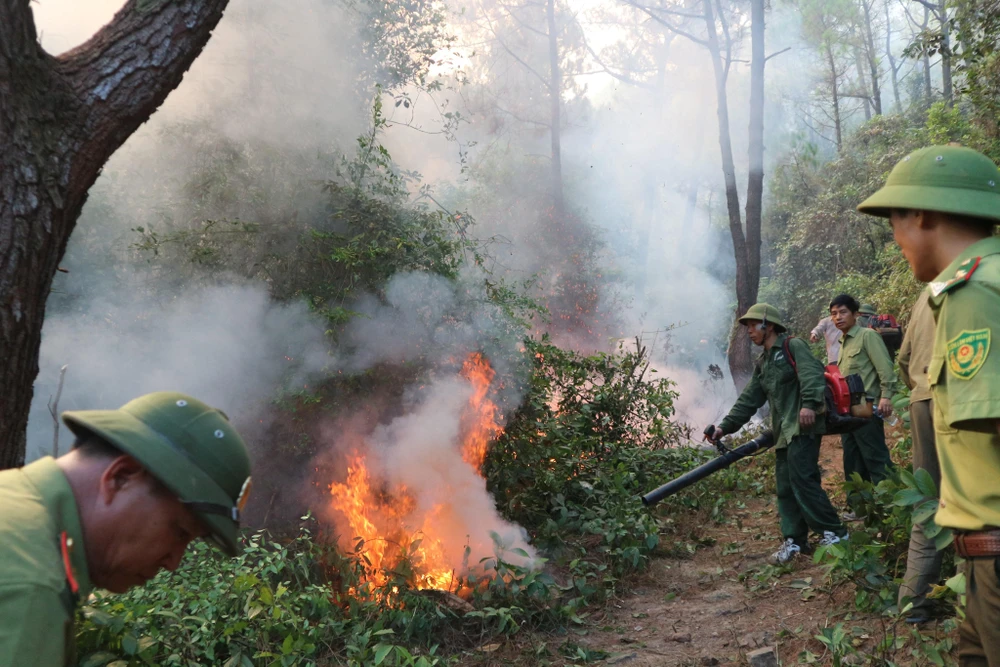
pixel 774 381
pixel 965 380
pixel 863 352
pixel 36 605
pixel 915 353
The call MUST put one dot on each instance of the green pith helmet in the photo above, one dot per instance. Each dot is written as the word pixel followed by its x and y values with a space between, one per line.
pixel 191 448
pixel 948 179
pixel 765 313
pixel 867 309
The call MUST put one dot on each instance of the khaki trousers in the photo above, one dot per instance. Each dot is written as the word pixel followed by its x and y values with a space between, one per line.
pixel 979 636
pixel 923 562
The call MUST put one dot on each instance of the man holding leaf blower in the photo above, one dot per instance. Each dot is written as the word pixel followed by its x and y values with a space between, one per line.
pixel 789 378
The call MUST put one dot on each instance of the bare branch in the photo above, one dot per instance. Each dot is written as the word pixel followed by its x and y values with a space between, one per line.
pixel 125 72
pixel 532 70
pixel 667 24
pixel 931 6
pixel 520 22
pixel 607 70
pixel 777 53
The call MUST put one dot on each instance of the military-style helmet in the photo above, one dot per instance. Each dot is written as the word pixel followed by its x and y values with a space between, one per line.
pixel 191 448
pixel 765 313
pixel 948 179
pixel 867 309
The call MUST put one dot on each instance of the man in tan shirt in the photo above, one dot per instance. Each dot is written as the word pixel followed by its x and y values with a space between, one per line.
pixel 923 564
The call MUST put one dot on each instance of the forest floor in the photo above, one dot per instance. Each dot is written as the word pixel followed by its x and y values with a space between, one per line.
pixel 716 605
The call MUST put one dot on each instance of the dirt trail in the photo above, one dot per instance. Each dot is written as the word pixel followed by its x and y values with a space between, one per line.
pixel 697 611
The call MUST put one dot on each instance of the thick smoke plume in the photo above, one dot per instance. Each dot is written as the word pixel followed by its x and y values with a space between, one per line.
pixel 231 347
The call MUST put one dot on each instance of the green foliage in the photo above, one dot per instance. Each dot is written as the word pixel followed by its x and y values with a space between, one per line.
pixel 274 605
pixel 362 229
pixel 823 245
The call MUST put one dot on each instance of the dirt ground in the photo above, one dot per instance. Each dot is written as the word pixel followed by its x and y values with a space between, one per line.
pixel 695 610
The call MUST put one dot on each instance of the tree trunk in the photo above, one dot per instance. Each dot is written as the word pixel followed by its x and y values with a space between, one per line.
pixel 835 98
pixel 755 179
pixel 739 350
pixel 872 59
pixel 555 98
pixel 863 90
pixel 946 85
pixel 893 71
pixel 61 118
pixel 928 91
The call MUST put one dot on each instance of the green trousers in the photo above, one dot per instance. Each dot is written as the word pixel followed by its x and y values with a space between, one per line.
pixel 802 502
pixel 979 635
pixel 865 453
pixel 923 562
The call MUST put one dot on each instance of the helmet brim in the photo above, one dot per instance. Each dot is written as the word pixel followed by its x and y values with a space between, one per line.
pixel 966 202
pixel 166 463
pixel 779 327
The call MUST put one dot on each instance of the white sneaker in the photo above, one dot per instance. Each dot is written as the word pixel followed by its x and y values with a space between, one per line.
pixel 851 516
pixel 829 538
pixel 787 551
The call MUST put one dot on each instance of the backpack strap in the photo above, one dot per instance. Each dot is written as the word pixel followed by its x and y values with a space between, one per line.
pixel 791 357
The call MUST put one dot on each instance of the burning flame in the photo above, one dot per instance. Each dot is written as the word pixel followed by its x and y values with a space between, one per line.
pixel 479 423
pixel 388 520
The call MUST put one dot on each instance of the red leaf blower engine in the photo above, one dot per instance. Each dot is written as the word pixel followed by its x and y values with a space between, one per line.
pixel 847 406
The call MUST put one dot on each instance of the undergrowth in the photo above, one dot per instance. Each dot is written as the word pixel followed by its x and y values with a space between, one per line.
pixel 593 434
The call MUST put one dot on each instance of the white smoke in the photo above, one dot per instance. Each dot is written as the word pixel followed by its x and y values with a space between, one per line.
pixel 231 347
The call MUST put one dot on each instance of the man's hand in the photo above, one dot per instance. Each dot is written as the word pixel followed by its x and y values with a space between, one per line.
pixel 807 417
pixel 715 435
pixel 813 337
pixel 885 407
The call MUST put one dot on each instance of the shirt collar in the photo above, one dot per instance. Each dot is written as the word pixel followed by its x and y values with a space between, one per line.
pixel 57 495
pixel 981 248
pixel 853 331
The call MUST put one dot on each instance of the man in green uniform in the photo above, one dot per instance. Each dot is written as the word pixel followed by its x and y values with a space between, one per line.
pixel 138 486
pixel 943 202
pixel 923 563
pixel 863 352
pixel 865 314
pixel 794 387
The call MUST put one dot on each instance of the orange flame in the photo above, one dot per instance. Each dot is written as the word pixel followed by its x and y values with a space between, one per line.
pixel 479 423
pixel 388 520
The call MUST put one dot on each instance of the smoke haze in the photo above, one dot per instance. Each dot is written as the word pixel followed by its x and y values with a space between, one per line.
pixel 284 76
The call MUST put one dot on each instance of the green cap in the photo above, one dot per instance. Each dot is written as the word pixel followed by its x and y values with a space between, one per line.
pixel 765 313
pixel 191 448
pixel 949 179
pixel 867 309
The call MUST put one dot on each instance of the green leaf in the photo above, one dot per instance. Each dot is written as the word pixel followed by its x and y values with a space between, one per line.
pixel 381 651
pixel 908 497
pixel 925 483
pixel 98 659
pixel 129 644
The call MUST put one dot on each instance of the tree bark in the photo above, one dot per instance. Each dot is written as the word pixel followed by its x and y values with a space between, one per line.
pixel 893 71
pixel 835 98
pixel 928 91
pixel 61 118
pixel 863 91
pixel 872 58
pixel 739 348
pixel 755 179
pixel 946 84
pixel 555 113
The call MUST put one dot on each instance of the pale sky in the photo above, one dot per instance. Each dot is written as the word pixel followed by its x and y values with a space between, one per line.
pixel 63 24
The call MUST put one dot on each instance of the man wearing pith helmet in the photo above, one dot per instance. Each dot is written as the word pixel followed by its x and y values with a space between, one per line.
pixel 139 485
pixel 789 378
pixel 942 203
